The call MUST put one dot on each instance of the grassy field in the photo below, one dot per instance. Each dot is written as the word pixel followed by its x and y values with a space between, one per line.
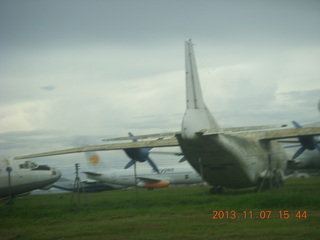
pixel 170 213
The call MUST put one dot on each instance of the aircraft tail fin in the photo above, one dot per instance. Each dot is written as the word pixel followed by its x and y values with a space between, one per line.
pixel 197 116
pixel 194 93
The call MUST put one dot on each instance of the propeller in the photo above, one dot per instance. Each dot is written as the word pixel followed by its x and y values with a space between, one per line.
pixel 183 159
pixel 140 155
pixel 307 142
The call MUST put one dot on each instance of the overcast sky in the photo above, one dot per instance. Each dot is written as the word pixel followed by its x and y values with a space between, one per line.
pixel 73 72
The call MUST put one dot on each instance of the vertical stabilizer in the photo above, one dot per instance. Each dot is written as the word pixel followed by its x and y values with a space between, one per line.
pixel 194 94
pixel 197 116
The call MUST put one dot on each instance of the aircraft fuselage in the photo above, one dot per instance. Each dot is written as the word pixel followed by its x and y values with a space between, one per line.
pixel 232 161
pixel 126 177
pixel 25 176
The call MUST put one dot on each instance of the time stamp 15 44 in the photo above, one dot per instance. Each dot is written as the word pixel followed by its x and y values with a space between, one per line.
pixel 263 214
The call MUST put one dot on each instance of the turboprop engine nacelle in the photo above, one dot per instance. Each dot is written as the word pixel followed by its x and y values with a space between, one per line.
pixel 161 184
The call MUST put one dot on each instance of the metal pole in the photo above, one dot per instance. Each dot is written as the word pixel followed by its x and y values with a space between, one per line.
pixel 201 173
pixel 77 187
pixel 136 183
pixel 9 170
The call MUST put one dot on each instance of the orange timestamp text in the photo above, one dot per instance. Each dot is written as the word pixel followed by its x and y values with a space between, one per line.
pixel 263 214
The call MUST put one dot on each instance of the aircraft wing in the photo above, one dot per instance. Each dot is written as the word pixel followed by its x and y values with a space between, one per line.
pixel 267 135
pixel 263 133
pixel 113 146
pixel 172 134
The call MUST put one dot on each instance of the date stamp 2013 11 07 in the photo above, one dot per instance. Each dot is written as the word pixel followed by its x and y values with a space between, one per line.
pixel 263 214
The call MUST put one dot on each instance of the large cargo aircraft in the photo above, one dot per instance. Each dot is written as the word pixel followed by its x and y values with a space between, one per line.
pixel 236 157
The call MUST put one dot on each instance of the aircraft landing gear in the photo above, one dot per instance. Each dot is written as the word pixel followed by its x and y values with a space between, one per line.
pixel 270 182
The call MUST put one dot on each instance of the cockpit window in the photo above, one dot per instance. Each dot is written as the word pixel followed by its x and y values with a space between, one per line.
pixel 42 167
pixel 28 165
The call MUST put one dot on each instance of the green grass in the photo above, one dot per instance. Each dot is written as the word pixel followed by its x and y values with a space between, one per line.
pixel 170 213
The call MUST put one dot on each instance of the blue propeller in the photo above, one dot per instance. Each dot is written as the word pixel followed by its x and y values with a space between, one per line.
pixel 140 155
pixel 307 142
pixel 183 159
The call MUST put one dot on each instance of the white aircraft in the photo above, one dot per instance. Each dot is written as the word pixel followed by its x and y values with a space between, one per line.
pixel 143 177
pixel 148 178
pixel 21 177
pixel 86 185
pixel 225 157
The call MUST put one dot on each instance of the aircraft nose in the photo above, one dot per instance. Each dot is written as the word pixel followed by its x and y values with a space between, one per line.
pixel 55 173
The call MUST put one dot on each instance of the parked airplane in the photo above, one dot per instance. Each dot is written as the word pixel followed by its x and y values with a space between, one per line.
pixel 143 177
pixel 147 178
pixel 21 177
pixel 87 186
pixel 226 157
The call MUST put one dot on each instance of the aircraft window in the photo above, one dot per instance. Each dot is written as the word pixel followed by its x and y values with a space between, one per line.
pixel 41 167
pixel 28 165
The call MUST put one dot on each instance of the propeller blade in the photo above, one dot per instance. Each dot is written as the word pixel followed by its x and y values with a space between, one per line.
pixel 291 146
pixel 129 164
pixel 297 125
pixel 299 152
pixel 131 135
pixel 153 165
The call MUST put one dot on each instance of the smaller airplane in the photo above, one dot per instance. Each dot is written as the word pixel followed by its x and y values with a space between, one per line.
pixel 144 178
pixel 148 178
pixel 21 177
pixel 87 185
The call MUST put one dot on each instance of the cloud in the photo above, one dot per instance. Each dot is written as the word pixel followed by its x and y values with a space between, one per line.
pixel 48 88
pixel 24 116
